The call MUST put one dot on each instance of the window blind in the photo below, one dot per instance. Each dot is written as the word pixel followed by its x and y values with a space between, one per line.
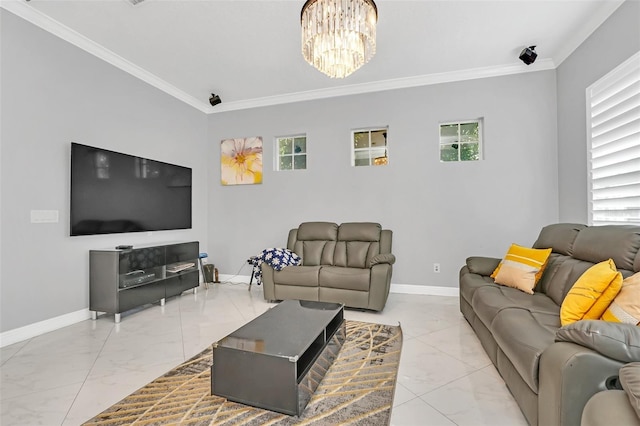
pixel 613 115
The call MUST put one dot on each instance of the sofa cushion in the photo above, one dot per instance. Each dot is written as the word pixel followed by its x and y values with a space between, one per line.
pixel 559 236
pixel 360 231
pixel 315 253
pixel 470 282
pixel 344 278
pixel 521 267
pixel 357 244
pixel 630 380
pixel 590 296
pixel 313 231
pixel 618 242
pixel 617 341
pixel 306 276
pixel 523 336
pixel 489 300
pixel 560 275
pixel 626 306
pixel 609 408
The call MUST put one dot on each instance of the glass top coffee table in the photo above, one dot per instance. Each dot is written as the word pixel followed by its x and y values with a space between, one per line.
pixel 277 360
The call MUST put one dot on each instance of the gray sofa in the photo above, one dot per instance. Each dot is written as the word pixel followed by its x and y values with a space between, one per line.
pixel 349 263
pixel 552 371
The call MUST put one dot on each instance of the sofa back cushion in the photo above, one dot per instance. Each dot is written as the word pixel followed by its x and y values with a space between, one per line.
pixel 357 244
pixel 560 237
pixel 621 243
pixel 576 248
pixel 314 242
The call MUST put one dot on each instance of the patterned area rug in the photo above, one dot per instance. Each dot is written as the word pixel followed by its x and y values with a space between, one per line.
pixel 358 389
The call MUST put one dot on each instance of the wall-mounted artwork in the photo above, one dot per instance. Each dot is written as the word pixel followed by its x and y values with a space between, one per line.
pixel 241 161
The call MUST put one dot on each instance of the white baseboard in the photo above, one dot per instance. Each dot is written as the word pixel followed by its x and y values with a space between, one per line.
pixel 32 330
pixel 395 288
pixel 428 290
pixel 235 278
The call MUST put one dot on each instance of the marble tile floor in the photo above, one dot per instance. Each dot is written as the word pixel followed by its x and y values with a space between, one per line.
pixel 69 375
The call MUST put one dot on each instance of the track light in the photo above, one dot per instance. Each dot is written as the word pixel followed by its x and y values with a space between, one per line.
pixel 214 99
pixel 528 55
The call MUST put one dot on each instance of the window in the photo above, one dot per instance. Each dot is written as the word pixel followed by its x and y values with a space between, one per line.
pixel 461 141
pixel 369 147
pixel 291 153
pixel 613 133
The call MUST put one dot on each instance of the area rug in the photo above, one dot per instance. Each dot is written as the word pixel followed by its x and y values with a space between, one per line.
pixel 357 389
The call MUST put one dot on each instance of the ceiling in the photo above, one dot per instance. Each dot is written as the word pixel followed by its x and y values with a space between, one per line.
pixel 248 52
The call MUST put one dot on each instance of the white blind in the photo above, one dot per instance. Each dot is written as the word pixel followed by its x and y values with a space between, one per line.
pixel 613 115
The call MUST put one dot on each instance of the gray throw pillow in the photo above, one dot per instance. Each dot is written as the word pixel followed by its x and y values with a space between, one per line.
pixel 630 380
pixel 612 339
pixel 482 265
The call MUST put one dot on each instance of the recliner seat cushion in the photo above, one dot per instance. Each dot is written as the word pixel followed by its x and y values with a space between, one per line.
pixel 489 300
pixel 523 335
pixel 345 278
pixel 304 276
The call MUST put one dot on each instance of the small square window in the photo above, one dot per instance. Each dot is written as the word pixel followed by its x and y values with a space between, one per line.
pixel 461 141
pixel 291 153
pixel 369 147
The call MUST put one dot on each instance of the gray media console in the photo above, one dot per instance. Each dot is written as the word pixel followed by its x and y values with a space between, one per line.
pixel 120 280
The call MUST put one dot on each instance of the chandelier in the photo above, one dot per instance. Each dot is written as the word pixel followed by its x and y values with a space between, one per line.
pixel 338 36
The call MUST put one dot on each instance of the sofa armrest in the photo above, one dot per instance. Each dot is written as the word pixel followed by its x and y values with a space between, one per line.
pixel 569 375
pixel 379 285
pixel 482 265
pixel 382 258
pixel 268 283
pixel 614 340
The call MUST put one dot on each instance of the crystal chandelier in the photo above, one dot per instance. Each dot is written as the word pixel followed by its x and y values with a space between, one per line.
pixel 338 36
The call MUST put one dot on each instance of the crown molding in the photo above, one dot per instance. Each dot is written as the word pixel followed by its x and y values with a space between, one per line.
pixel 22 9
pixel 593 23
pixel 392 84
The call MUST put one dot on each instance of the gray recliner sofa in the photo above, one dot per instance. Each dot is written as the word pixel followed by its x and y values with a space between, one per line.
pixel 552 371
pixel 349 263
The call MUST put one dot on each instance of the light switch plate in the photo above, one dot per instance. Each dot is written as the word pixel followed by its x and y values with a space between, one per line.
pixel 44 216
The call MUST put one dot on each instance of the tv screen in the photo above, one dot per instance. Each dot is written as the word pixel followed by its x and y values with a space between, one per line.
pixel 113 192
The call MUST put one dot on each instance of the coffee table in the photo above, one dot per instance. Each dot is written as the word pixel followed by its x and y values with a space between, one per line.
pixel 277 360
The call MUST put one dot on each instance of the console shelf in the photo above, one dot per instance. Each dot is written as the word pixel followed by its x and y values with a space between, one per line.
pixel 120 280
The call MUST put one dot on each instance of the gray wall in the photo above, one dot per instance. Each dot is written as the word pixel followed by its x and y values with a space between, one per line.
pixel 52 94
pixel 439 212
pixel 615 41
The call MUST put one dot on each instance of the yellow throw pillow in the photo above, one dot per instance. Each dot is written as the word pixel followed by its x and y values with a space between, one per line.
pixel 626 306
pixel 592 294
pixel 521 268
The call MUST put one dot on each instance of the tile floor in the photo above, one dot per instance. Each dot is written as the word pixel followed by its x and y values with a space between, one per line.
pixel 67 376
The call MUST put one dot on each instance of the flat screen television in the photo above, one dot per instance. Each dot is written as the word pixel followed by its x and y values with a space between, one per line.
pixel 112 192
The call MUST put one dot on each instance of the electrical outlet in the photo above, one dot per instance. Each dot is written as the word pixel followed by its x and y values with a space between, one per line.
pixel 436 268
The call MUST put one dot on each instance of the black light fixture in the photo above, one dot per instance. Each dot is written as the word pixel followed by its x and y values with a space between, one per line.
pixel 528 55
pixel 214 99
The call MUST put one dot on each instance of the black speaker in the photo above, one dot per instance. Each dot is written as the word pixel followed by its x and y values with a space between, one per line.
pixel 528 55
pixel 214 99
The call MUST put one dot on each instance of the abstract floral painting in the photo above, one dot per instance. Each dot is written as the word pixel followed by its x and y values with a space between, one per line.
pixel 241 161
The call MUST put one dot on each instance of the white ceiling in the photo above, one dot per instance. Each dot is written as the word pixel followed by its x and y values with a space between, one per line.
pixel 248 52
